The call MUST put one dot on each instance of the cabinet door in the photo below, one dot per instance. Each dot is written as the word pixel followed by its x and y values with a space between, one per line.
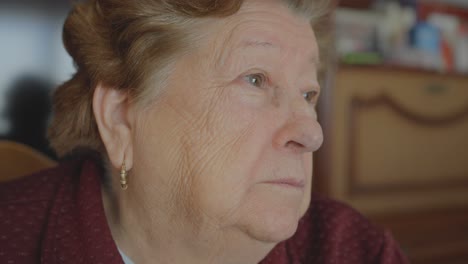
pixel 400 140
pixel 396 148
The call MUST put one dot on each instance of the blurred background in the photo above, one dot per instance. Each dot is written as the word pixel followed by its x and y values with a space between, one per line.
pixel 394 109
pixel 395 119
pixel 32 62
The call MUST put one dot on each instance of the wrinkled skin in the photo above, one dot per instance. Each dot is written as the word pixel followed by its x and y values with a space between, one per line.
pixel 221 162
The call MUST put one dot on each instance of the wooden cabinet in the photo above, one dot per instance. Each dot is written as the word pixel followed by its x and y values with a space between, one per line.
pixel 396 148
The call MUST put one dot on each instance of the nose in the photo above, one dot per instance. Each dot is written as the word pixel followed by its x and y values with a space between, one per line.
pixel 301 133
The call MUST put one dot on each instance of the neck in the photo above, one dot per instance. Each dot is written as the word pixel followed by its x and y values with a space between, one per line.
pixel 149 237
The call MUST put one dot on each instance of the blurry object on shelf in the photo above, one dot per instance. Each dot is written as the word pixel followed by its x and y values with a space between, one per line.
pixel 417 34
pixel 448 27
pixel 356 32
pixel 461 49
pixel 425 43
pixel 362 58
pixel 393 33
pixel 451 20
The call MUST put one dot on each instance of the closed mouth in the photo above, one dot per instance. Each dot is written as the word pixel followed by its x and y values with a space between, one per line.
pixel 288 182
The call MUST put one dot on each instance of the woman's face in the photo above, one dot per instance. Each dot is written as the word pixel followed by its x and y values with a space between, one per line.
pixel 227 148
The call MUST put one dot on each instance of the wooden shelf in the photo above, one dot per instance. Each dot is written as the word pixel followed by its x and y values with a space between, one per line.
pixel 400 68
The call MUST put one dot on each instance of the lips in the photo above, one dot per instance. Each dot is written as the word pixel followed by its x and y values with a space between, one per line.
pixel 288 182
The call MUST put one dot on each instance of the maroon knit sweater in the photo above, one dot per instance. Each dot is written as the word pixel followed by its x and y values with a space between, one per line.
pixel 57 216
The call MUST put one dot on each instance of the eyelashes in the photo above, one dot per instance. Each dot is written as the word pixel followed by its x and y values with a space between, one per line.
pixel 260 80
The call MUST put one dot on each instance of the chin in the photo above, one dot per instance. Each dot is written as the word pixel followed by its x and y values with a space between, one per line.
pixel 276 219
pixel 279 229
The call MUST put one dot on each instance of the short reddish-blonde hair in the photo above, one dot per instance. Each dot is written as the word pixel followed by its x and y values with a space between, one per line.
pixel 128 44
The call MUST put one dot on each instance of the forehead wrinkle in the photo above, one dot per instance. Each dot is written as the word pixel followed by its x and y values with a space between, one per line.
pixel 249 43
pixel 252 43
pixel 244 34
pixel 255 12
pixel 264 44
pixel 259 44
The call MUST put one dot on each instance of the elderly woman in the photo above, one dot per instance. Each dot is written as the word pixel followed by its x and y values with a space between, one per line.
pixel 188 133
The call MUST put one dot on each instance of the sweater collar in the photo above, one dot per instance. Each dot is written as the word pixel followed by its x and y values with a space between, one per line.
pixel 77 230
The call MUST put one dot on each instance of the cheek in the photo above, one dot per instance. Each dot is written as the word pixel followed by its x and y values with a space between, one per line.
pixel 227 153
pixel 224 169
pixel 162 168
pixel 196 150
pixel 308 166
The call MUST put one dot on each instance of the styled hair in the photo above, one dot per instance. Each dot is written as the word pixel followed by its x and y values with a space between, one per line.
pixel 130 44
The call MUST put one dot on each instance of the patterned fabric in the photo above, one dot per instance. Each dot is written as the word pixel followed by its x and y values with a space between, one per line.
pixel 57 216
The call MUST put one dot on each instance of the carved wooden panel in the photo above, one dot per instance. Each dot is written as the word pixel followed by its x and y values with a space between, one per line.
pixel 400 140
pixel 396 148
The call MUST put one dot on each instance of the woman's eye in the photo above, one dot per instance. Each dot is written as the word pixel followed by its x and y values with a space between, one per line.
pixel 310 96
pixel 257 80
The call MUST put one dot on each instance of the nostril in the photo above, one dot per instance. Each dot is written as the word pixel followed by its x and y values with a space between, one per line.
pixel 299 135
pixel 294 145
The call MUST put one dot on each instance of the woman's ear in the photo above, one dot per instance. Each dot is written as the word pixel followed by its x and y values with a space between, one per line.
pixel 111 110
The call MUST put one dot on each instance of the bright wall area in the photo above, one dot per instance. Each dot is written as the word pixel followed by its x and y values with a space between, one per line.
pixel 31 45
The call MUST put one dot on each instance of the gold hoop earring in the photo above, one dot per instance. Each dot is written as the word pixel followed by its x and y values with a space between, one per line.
pixel 123 176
